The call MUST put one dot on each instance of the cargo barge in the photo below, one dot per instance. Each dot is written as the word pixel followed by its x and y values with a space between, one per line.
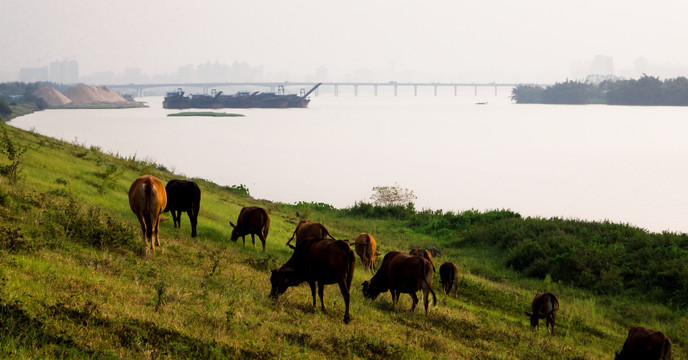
pixel 242 99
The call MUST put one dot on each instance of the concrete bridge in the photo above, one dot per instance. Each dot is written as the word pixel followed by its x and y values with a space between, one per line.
pixel 334 87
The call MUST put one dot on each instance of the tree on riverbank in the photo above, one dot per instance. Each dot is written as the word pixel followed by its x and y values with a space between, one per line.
pixel 647 90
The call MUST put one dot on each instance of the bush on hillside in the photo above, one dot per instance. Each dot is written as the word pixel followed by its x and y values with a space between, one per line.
pixel 603 257
pixel 68 220
pixel 5 109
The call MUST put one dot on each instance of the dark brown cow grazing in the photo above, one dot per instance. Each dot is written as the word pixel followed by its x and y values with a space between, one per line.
pixel 321 261
pixel 449 276
pixel 183 196
pixel 544 306
pixel 402 273
pixel 308 229
pixel 424 254
pixel 252 220
pixel 147 199
pixel 645 344
pixel 366 248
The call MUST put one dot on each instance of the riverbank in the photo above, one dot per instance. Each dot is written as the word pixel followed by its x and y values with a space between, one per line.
pixel 75 282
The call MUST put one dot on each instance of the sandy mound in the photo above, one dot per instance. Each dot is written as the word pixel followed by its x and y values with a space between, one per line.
pixel 87 95
pixel 52 97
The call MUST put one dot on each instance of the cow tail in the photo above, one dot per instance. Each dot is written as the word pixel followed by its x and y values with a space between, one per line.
pixel 351 265
pixel 148 207
pixel 425 280
pixel 266 228
pixel 666 351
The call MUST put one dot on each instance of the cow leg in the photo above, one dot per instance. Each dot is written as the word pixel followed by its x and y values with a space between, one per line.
pixel 312 285
pixel 253 240
pixel 321 292
pixel 243 239
pixel 262 240
pixel 426 292
pixel 156 229
pixel 346 295
pixel 193 218
pixel 175 218
pixel 415 301
pixel 550 322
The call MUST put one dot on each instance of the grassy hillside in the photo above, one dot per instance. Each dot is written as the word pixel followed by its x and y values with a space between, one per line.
pixel 75 281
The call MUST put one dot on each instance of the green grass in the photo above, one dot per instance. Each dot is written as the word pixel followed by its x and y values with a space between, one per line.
pixel 205 113
pixel 75 282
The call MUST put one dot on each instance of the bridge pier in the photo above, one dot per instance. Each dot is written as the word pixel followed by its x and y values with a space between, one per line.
pixel 375 89
pixel 336 90
pixel 455 91
pixel 355 90
pixel 415 90
pixel 435 90
pixel 475 90
pixel 395 90
pixel 495 90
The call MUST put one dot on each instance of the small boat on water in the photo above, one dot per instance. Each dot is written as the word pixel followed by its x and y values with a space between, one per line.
pixel 481 103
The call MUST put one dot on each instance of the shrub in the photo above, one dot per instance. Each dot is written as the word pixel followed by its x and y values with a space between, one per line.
pixel 14 153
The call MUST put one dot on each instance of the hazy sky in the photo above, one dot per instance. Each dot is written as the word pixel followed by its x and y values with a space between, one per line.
pixel 486 40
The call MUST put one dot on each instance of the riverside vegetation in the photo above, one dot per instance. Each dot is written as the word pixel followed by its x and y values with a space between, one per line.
pixel 75 281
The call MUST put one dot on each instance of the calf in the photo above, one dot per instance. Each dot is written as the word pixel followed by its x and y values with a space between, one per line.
pixel 449 276
pixel 544 306
pixel 252 220
pixel 366 249
pixel 402 273
pixel 321 261
pixel 183 196
pixel 424 254
pixel 308 229
pixel 645 344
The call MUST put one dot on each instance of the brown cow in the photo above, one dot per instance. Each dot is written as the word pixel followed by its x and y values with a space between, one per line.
pixel 308 229
pixel 366 249
pixel 544 306
pixel 321 261
pixel 449 276
pixel 402 273
pixel 147 199
pixel 252 220
pixel 424 254
pixel 645 344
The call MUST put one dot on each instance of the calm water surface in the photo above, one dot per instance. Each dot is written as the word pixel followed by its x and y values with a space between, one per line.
pixel 623 164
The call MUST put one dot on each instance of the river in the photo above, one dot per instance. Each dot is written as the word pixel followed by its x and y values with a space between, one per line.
pixel 595 162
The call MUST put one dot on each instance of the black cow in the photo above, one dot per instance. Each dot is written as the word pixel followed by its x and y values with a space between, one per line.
pixel 321 261
pixel 402 273
pixel 183 196
pixel 544 306
pixel 252 220
pixel 645 344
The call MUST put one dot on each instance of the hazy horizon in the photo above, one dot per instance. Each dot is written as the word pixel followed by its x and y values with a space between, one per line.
pixel 503 41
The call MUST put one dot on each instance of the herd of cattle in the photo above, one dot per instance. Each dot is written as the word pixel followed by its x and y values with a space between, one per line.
pixel 320 259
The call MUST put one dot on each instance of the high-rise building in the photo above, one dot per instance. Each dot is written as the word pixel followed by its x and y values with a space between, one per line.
pixel 64 72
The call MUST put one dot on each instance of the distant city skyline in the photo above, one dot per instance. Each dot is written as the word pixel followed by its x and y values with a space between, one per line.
pixel 67 72
pixel 535 41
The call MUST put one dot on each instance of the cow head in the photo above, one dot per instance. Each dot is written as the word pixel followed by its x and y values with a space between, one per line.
pixel 370 291
pixel 533 319
pixel 235 232
pixel 281 280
